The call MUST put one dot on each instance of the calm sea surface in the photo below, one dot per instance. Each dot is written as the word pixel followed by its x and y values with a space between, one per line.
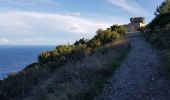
pixel 15 58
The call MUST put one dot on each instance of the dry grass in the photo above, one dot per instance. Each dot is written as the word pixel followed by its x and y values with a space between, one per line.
pixel 76 80
pixel 84 79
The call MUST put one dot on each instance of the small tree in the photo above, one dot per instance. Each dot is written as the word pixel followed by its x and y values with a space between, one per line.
pixel 115 37
pixel 94 43
pixel 163 8
pixel 81 41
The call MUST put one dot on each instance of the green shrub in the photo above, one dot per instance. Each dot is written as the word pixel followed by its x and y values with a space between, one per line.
pixel 115 37
pixel 112 34
pixel 119 29
pixel 64 53
pixel 81 41
pixel 93 43
pixel 160 40
pixel 166 60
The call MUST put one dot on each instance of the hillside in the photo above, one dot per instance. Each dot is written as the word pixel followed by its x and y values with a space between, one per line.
pixel 70 72
pixel 113 65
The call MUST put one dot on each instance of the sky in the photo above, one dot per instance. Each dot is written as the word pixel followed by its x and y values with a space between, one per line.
pixel 55 22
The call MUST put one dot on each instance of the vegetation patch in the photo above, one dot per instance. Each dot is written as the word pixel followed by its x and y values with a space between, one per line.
pixel 84 79
pixel 70 72
pixel 166 60
pixel 157 32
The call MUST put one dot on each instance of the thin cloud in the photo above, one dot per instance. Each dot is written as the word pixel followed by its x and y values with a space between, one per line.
pixel 129 6
pixel 35 40
pixel 28 2
pixel 75 14
pixel 57 27
pixel 27 22
pixel 3 40
pixel 76 28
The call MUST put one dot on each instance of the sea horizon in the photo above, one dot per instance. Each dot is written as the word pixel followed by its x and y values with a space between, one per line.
pixel 15 58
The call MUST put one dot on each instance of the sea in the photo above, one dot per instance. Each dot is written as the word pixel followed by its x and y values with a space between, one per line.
pixel 15 58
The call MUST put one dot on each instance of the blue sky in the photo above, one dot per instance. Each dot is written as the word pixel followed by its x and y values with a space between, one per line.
pixel 54 22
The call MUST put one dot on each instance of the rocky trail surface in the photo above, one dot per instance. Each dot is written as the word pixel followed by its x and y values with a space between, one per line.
pixel 140 77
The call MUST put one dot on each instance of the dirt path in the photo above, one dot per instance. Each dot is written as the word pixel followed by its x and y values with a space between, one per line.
pixel 139 77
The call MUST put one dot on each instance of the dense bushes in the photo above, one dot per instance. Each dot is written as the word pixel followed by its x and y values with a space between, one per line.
pixel 159 22
pixel 81 48
pixel 158 30
pixel 160 39
pixel 162 18
pixel 107 36
pixel 63 54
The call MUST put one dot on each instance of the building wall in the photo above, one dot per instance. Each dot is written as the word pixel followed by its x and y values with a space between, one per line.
pixel 142 25
pixel 135 24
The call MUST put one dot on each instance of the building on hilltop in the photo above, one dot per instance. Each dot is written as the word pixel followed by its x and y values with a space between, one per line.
pixel 135 23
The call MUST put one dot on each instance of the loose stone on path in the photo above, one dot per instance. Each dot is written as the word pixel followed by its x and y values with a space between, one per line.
pixel 138 78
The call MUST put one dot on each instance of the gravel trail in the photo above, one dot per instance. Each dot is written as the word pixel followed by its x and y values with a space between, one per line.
pixel 140 77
